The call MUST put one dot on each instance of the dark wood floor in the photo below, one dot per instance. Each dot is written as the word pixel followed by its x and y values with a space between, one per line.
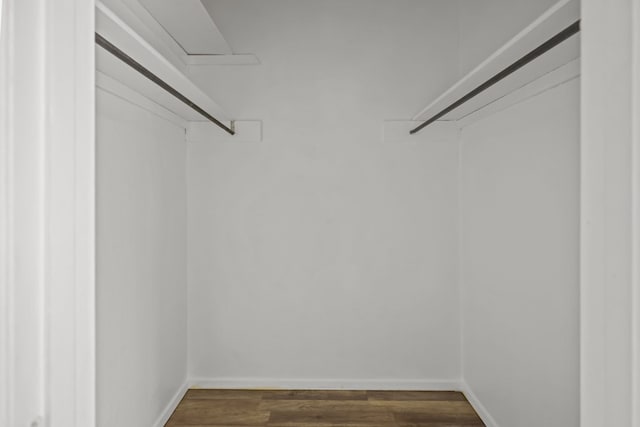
pixel 284 408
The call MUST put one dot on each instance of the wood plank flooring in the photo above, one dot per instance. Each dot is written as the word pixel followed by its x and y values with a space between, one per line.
pixel 322 408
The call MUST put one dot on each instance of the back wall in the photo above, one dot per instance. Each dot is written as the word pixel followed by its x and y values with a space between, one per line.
pixel 324 255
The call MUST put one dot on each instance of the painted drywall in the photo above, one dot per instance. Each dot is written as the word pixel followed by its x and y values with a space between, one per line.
pixel 323 255
pixel 141 263
pixel 519 260
pixel 488 24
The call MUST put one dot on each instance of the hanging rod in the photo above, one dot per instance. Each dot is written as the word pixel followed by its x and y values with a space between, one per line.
pixel 115 51
pixel 535 53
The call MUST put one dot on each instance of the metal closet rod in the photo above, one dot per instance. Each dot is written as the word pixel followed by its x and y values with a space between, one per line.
pixel 115 51
pixel 544 47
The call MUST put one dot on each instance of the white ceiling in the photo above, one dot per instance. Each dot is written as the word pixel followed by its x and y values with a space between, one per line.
pixel 341 58
pixel 190 25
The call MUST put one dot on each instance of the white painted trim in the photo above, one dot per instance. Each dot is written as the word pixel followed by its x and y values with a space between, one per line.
pixel 124 92
pixel 554 78
pixel 23 142
pixel 114 29
pixel 327 384
pixel 172 405
pixel 607 208
pixel 398 130
pixel 480 409
pixel 143 23
pixel 69 211
pixel 131 27
pixel 557 18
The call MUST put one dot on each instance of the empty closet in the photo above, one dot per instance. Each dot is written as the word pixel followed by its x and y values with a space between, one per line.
pixel 323 245
pixel 355 196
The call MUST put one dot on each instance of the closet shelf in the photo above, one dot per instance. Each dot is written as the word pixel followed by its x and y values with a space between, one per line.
pixel 112 28
pixel 562 17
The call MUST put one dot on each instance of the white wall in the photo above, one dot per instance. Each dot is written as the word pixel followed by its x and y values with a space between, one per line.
pixel 141 263
pixel 488 24
pixel 323 255
pixel 519 264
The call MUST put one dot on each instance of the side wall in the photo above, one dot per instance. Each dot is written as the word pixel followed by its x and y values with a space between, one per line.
pixel 519 263
pixel 141 263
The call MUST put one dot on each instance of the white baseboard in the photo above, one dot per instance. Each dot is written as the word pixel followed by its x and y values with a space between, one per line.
pixel 327 384
pixel 484 414
pixel 172 405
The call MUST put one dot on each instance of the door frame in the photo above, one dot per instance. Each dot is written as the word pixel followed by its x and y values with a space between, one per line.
pixel 47 143
pixel 70 133
pixel 610 214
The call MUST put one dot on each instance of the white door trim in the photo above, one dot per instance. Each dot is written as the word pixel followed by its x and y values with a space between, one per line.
pixel 70 212
pixel 22 214
pixel 610 210
pixel 47 314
